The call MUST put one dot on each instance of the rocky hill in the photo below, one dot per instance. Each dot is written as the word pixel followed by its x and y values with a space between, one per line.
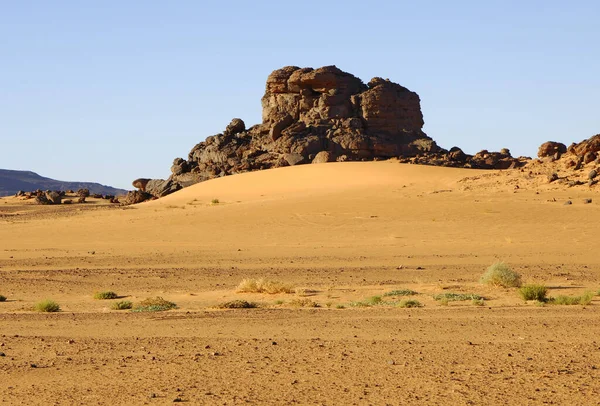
pixel 317 116
pixel 13 181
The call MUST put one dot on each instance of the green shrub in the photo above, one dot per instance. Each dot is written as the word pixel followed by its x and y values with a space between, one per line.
pixel 500 274
pixel 157 304
pixel 47 306
pixel 105 295
pixel 401 292
pixel 409 303
pixel 456 297
pixel 2 298
pixel 214 201
pixel 533 292
pixel 122 305
pixel 238 304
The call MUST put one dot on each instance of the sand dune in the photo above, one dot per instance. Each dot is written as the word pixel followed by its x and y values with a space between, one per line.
pixel 346 231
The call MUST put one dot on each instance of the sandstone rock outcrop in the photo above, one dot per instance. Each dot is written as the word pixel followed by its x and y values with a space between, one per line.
pixel 316 116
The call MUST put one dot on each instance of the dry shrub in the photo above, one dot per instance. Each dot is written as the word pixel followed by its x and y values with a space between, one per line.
pixel 304 303
pixel 106 295
pixel 237 304
pixel 156 304
pixel 122 305
pixel 263 286
pixel 500 274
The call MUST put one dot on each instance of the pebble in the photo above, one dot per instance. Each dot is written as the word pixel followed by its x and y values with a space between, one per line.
pixel 568 202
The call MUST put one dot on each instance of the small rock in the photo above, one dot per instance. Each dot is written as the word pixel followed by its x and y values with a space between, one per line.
pixel 2 354
pixel 552 177
pixel 568 202
pixel 587 201
pixel 391 362
pixel 593 173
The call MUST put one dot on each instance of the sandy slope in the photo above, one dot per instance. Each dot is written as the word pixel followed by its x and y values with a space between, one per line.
pixel 345 230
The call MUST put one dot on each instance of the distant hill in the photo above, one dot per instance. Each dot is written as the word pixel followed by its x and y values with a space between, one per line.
pixel 13 181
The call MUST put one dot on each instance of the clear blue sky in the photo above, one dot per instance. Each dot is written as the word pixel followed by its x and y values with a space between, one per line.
pixel 109 91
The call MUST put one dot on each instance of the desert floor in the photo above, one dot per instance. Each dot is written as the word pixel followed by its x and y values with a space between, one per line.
pixel 340 233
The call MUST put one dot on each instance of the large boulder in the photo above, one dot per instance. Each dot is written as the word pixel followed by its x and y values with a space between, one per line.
pixel 53 197
pixel 135 197
pixel 551 148
pixel 161 187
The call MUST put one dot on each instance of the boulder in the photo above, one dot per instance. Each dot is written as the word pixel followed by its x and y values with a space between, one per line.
pixel 53 197
pixel 161 187
pixel 550 148
pixel 236 126
pixel 83 193
pixel 136 196
pixel 322 157
pixel 140 183
pixel 294 159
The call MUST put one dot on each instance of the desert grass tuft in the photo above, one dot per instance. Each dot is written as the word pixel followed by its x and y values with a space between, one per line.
pixel 584 299
pixel 368 302
pixel 340 306
pixel 106 295
pixel 263 286
pixel 214 201
pixel 156 304
pixel 122 305
pixel 2 298
pixel 533 292
pixel 401 292
pixel 238 304
pixel 457 297
pixel 478 302
pixel 500 274
pixel 47 306
pixel 304 303
pixel 409 303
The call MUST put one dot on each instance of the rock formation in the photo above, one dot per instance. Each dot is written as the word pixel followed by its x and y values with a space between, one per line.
pixel 316 116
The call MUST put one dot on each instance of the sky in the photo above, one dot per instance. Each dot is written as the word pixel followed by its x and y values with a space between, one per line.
pixel 115 90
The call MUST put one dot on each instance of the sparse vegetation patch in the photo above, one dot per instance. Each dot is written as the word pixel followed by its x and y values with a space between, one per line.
pixel 457 297
pixel 156 304
pixel 106 295
pixel 584 299
pixel 238 304
pixel 500 274
pixel 409 303
pixel 401 292
pixel 304 303
pixel 47 306
pixel 263 286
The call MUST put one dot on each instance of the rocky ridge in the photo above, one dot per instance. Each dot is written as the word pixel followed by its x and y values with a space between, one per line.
pixel 317 116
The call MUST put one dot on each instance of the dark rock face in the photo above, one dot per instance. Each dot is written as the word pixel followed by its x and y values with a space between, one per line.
pixel 319 115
